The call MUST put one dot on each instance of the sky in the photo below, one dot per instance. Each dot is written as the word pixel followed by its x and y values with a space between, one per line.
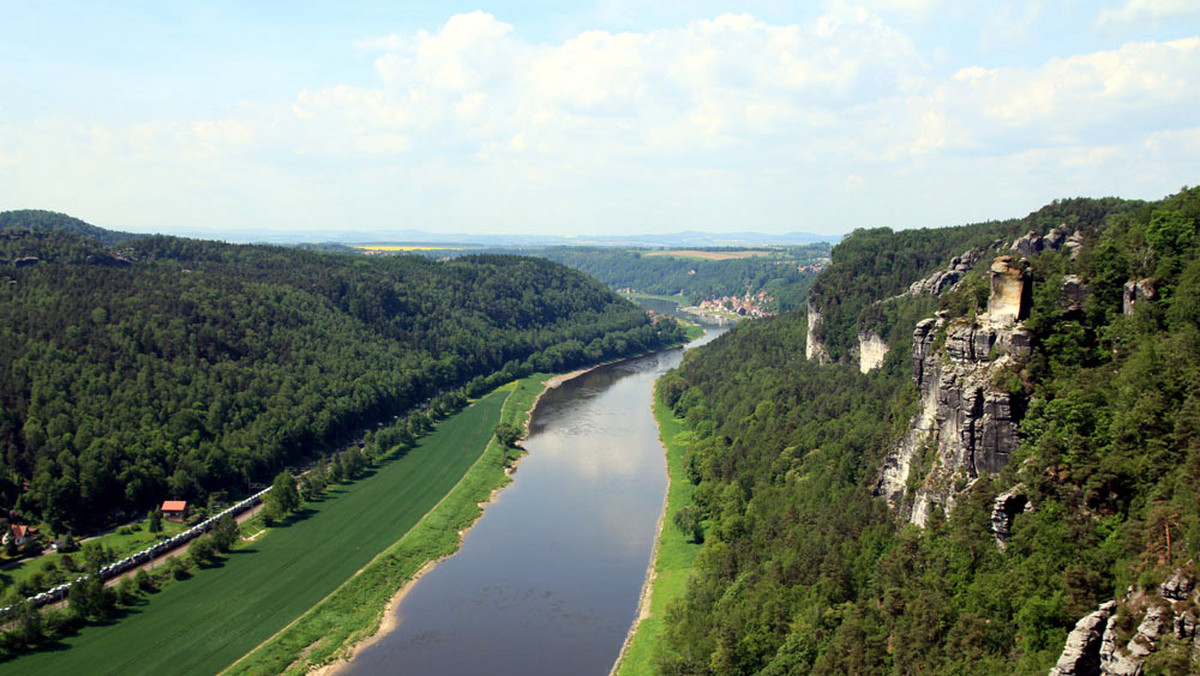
pixel 610 118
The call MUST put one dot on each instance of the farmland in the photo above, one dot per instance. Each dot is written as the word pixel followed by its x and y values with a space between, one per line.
pixel 204 624
pixel 719 255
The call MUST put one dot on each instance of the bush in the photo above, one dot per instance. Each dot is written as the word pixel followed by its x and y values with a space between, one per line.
pixel 144 581
pixel 178 568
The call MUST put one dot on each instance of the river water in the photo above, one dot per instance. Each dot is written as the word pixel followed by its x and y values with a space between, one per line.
pixel 547 582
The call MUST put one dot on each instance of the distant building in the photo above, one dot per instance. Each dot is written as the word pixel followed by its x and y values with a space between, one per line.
pixel 175 510
pixel 18 535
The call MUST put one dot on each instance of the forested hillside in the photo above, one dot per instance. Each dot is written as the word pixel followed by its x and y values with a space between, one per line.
pixel 186 369
pixel 37 219
pixel 805 570
pixel 783 273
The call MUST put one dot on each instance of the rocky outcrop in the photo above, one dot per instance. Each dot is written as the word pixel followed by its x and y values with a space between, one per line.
pixel 1073 293
pixel 1010 293
pixel 1170 611
pixel 108 260
pixel 871 350
pixel 947 278
pixel 966 425
pixel 813 348
pixel 1081 656
pixel 1059 238
pixel 1137 291
pixel 1005 508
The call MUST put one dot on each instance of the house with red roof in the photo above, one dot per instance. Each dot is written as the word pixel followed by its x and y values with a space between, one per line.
pixel 175 510
pixel 18 535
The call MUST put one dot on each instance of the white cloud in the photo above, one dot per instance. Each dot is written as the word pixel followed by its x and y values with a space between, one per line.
pixel 1098 97
pixel 730 122
pixel 1142 10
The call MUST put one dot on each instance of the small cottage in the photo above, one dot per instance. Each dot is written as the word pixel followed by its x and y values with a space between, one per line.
pixel 175 510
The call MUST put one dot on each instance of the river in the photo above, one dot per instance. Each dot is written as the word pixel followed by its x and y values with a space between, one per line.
pixel 548 580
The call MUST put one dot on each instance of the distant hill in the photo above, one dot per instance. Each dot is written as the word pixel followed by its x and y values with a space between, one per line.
pixel 412 237
pixel 40 219
pixel 181 368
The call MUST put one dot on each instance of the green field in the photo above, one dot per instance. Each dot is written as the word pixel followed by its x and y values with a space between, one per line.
pixel 675 553
pixel 204 624
pixel 354 611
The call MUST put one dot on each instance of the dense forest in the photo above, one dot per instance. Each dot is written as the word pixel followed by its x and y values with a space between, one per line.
pixel 804 570
pixel 178 368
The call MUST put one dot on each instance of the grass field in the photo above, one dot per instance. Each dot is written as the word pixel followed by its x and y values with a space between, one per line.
pixel 204 624
pixel 675 552
pixel 354 612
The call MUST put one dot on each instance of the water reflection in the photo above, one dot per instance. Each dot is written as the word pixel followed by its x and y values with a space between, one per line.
pixel 548 581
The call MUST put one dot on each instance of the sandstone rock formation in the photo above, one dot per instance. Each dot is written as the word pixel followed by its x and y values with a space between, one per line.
pixel 813 348
pixel 966 424
pixel 1009 299
pixel 1074 292
pixel 1137 291
pixel 1170 611
pixel 1005 508
pixel 1058 238
pixel 947 278
pixel 871 350
pixel 1081 656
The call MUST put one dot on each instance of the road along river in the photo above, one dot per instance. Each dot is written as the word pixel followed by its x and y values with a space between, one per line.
pixel 548 580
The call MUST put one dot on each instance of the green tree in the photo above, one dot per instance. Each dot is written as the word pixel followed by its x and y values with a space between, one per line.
pixel 155 520
pixel 283 497
pixel 203 551
pixel 94 556
pixel 225 533
pixel 687 520
pixel 177 567
pixel 89 597
pixel 508 435
pixel 143 580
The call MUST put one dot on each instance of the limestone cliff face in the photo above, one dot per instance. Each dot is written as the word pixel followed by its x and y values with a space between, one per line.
pixel 966 424
pixel 1096 648
pixel 871 350
pixel 814 348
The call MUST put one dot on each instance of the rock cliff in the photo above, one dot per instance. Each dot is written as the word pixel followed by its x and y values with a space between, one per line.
pixel 871 350
pixel 813 348
pixel 1097 646
pixel 967 424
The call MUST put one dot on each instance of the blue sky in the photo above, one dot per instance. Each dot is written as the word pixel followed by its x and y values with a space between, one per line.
pixel 610 118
